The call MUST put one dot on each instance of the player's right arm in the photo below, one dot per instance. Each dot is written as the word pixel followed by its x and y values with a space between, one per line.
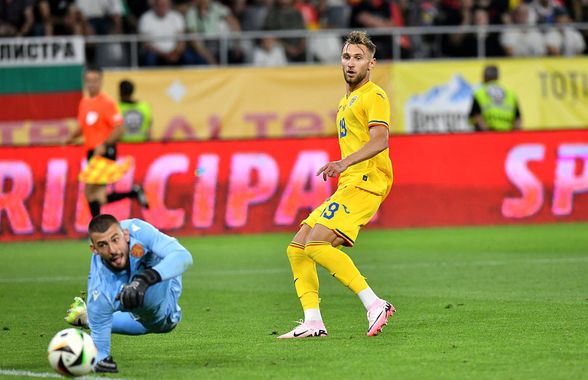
pixel 100 307
pixel 100 311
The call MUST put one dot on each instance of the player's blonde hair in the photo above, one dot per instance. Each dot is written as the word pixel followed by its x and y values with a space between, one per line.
pixel 358 37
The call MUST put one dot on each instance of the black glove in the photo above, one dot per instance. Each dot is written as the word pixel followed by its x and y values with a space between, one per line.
pixel 131 296
pixel 106 365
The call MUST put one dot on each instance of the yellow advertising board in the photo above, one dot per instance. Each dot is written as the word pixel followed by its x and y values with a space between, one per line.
pixel 234 103
pixel 436 96
pixel 249 102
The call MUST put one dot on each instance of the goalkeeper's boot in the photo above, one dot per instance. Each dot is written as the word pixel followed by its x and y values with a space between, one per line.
pixel 308 329
pixel 141 197
pixel 377 315
pixel 77 314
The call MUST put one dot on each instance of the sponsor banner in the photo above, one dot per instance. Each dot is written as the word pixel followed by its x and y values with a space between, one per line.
pixel 250 103
pixel 240 103
pixel 270 185
pixel 41 51
pixel 437 96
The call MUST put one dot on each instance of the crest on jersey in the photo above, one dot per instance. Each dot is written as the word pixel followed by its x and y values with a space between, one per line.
pixel 91 117
pixel 353 99
pixel 137 251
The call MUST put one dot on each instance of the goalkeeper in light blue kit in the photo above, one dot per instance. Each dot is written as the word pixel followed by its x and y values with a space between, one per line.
pixel 134 284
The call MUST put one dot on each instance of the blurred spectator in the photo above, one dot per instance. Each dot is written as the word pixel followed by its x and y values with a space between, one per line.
pixel 423 13
pixel 16 18
pixel 269 52
pixel 163 25
pixel 102 16
pixel 59 18
pixel 309 13
pixel 326 46
pixel 494 107
pixel 211 19
pixel 578 10
pixel 526 40
pixel 455 13
pixel 136 114
pixel 134 9
pixel 374 14
pixel 490 41
pixel 563 39
pixel 182 6
pixel 284 16
pixel 543 12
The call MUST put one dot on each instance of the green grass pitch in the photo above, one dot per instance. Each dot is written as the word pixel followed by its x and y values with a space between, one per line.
pixel 473 303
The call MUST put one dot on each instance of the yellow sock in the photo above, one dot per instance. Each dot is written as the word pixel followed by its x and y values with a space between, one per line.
pixel 337 263
pixel 305 276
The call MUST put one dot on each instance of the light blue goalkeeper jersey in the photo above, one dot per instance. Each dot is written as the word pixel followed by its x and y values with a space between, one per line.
pixel 148 248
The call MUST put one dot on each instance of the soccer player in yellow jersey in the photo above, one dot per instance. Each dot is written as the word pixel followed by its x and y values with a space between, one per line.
pixel 365 178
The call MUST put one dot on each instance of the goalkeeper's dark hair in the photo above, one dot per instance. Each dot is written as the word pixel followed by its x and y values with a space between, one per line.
pixel 101 223
pixel 358 37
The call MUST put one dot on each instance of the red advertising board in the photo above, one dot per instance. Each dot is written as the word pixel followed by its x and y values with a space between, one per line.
pixel 226 187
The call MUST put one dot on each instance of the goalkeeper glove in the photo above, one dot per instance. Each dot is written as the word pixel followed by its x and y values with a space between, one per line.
pixel 131 296
pixel 106 365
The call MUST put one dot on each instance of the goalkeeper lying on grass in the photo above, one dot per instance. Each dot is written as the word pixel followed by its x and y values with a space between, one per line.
pixel 134 285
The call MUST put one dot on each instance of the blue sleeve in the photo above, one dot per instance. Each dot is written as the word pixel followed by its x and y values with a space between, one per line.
pixel 100 311
pixel 175 258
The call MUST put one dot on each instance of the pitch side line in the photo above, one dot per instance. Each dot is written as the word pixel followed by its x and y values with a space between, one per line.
pixel 47 375
pixel 270 271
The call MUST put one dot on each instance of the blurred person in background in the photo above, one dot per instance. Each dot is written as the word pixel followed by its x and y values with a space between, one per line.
pixel 16 18
pixel 269 52
pixel 137 114
pixel 283 15
pixel 163 25
pixel 212 20
pixel 495 107
pixel 374 14
pixel 526 39
pixel 59 18
pixel 563 38
pixel 544 12
pixel 102 16
pixel 101 125
pixel 134 9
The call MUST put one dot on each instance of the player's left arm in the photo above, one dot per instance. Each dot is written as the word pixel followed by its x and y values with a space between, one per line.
pixel 175 260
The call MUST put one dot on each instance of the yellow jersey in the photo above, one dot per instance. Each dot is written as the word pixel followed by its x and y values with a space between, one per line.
pixel 366 107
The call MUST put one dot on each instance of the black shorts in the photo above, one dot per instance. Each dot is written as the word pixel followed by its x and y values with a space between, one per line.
pixel 110 152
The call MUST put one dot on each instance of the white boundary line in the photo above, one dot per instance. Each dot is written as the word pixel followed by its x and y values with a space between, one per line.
pixel 47 375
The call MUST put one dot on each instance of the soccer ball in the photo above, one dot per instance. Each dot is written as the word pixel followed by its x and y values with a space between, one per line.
pixel 72 352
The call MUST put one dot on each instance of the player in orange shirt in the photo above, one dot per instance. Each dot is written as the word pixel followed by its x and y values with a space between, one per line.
pixel 101 125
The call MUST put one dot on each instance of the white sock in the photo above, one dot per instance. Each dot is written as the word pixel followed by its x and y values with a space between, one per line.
pixel 312 315
pixel 367 297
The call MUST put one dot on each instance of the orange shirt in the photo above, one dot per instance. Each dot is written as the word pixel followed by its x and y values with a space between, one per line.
pixel 98 116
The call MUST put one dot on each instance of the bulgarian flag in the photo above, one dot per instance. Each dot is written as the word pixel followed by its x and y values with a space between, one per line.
pixel 40 78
